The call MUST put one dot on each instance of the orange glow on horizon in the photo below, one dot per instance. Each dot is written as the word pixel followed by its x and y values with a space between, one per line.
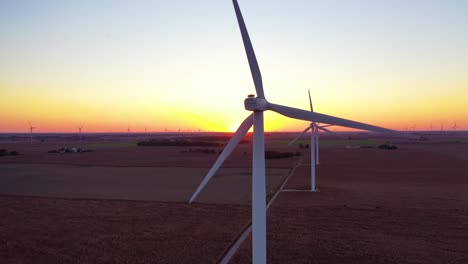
pixel 65 116
pixel 160 66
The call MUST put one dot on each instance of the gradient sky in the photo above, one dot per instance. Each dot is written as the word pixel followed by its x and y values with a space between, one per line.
pixel 180 64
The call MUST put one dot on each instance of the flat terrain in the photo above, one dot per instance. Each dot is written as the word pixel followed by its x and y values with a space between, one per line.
pixel 374 206
pixel 453 148
pixel 131 183
pixel 42 230
pixel 83 208
pixel 128 154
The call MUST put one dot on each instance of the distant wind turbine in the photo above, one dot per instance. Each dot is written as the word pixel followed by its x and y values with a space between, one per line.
pixel 258 105
pixel 31 129
pixel 314 128
pixel 80 128
pixel 455 126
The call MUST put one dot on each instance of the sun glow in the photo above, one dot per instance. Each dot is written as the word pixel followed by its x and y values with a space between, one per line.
pixel 134 67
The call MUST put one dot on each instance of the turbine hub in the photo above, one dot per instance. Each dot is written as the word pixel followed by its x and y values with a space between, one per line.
pixel 255 104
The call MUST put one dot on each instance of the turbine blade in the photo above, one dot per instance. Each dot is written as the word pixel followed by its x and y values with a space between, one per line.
pixel 254 69
pixel 310 100
pixel 236 138
pixel 331 132
pixel 317 117
pixel 300 135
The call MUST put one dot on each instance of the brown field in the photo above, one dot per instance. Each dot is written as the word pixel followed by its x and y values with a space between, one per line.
pixel 452 148
pixel 43 230
pixel 131 183
pixel 86 227
pixel 127 154
pixel 374 206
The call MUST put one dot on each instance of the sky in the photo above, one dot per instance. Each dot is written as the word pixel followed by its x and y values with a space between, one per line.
pixel 110 65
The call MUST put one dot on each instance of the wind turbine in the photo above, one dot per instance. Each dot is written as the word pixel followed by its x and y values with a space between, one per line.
pixel 258 105
pixel 314 128
pixel 79 130
pixel 455 126
pixel 31 128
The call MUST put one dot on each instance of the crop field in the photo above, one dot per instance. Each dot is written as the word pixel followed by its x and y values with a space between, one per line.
pixel 374 206
pixel 128 204
pixel 131 183
pixel 46 230
pixel 337 142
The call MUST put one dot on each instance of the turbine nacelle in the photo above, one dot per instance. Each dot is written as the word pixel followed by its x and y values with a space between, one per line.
pixel 255 104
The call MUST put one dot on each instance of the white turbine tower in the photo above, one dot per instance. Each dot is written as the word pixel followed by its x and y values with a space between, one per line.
pixel 258 105
pixel 314 128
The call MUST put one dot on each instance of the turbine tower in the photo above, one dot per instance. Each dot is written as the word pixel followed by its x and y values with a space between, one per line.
pixel 314 128
pixel 258 105
pixel 31 129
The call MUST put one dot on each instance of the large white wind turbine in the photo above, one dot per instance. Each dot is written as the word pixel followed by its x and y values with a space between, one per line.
pixel 314 128
pixel 258 105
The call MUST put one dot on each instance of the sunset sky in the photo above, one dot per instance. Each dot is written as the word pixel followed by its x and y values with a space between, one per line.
pixel 180 64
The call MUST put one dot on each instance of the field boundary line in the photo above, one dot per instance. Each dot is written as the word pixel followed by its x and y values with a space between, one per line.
pixel 295 190
pixel 225 258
